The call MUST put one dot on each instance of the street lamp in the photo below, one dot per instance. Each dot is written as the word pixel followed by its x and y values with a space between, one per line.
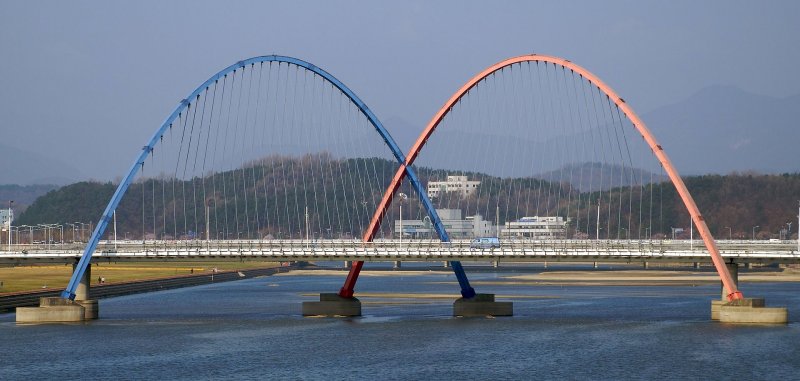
pixel 10 203
pixel 754 231
pixel 403 198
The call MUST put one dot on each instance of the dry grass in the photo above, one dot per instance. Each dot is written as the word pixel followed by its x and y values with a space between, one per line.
pixel 25 278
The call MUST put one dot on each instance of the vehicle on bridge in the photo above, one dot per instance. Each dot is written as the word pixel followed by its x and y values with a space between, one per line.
pixel 485 243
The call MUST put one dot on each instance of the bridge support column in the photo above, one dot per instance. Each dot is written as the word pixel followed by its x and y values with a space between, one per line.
pixel 348 264
pixel 446 264
pixel 646 265
pixel 332 305
pixel 745 311
pixel 482 305
pixel 545 265
pixel 496 264
pixel 82 294
pixel 396 265
pixel 696 265
pixel 594 265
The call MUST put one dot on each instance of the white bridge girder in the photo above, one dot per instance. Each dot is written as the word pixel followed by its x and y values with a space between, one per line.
pixel 388 250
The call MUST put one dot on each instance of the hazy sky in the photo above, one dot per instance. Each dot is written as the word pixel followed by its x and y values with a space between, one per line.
pixel 87 82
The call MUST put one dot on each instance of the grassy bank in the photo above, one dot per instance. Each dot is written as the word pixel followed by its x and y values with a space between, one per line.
pixel 26 278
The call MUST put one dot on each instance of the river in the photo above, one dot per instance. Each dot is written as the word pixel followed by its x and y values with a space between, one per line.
pixel 251 329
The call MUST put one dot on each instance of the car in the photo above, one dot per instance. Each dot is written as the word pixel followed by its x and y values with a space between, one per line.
pixel 485 243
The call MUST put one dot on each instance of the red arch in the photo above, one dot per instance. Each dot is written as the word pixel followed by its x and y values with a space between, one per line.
pixel 699 222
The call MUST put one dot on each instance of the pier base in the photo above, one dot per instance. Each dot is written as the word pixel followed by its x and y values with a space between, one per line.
pixel 332 305
pixel 482 305
pixel 91 307
pixel 52 310
pixel 752 311
pixel 745 311
pixel 396 265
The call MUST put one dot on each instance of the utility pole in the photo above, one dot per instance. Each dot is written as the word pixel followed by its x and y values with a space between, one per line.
pixel 597 233
pixel 497 221
pixel 403 197
pixel 307 229
pixel 10 202
pixel 208 219
pixel 115 230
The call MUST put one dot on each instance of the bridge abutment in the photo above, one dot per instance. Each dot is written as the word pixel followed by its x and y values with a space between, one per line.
pixel 745 311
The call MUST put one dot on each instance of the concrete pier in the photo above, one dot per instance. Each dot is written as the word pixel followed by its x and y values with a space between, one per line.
pixel 348 264
pixel 52 310
pixel 594 264
pixel 745 311
pixel 696 265
pixel 332 305
pixel 482 305
pixel 646 265
pixel 59 310
pixel 396 265
pixel 92 308
pixel 496 264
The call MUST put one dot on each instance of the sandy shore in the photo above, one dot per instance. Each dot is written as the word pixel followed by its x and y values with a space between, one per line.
pixel 597 278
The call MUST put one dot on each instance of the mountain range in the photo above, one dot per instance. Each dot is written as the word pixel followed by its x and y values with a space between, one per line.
pixel 719 129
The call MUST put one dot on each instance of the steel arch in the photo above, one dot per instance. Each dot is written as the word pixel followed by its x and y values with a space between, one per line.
pixel 85 260
pixel 686 197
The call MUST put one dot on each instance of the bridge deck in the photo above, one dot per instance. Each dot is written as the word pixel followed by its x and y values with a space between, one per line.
pixel 388 250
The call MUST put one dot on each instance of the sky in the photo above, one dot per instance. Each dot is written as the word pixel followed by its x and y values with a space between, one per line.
pixel 88 82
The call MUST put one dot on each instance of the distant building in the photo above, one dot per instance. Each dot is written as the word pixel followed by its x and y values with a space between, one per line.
pixel 456 226
pixel 536 227
pixel 459 184
pixel 6 217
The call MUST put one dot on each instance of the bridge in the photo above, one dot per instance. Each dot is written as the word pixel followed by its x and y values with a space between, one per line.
pixel 625 251
pixel 283 161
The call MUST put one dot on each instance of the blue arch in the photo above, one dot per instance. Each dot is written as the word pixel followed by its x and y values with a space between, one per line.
pixel 83 263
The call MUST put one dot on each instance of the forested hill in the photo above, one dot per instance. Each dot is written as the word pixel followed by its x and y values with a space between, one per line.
pixel 738 201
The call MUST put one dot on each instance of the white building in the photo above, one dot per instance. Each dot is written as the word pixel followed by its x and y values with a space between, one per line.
pixel 536 227
pixel 459 184
pixel 456 226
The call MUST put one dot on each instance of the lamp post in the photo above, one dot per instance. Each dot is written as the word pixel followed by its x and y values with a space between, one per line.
pixel 730 233
pixel 10 203
pixel 754 231
pixel 403 198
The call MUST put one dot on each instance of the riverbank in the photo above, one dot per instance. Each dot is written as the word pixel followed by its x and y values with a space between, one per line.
pixel 589 277
pixel 41 277
pixel 10 301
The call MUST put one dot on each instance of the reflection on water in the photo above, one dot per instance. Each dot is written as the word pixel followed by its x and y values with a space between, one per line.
pixel 252 329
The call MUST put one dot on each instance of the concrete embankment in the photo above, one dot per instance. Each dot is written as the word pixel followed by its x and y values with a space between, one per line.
pixel 9 302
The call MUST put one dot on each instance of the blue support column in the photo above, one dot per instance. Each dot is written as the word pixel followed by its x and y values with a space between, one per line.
pixel 466 290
